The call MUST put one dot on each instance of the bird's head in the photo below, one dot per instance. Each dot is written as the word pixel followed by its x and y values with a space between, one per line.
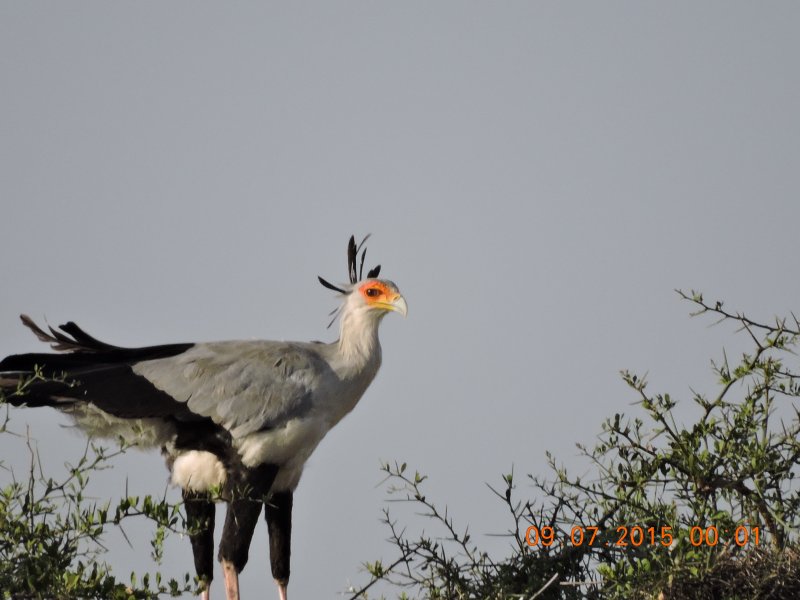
pixel 370 297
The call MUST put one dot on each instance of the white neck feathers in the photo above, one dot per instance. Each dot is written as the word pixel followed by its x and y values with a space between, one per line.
pixel 358 346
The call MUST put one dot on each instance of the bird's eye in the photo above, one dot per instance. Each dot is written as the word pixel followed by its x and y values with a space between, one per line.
pixel 372 292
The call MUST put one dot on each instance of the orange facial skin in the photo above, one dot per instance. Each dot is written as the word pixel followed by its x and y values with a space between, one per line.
pixel 383 295
pixel 377 292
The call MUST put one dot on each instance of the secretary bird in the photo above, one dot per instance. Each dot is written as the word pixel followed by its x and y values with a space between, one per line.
pixel 235 420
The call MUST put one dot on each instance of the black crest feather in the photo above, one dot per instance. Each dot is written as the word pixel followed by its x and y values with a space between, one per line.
pixel 330 286
pixel 355 268
pixel 352 255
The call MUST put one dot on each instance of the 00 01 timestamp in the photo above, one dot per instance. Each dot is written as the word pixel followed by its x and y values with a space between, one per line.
pixel 636 535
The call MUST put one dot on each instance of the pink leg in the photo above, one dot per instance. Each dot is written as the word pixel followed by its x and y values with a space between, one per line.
pixel 231 581
pixel 205 594
pixel 281 590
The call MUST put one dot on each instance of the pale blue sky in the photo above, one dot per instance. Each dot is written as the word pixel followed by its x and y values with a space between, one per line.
pixel 537 177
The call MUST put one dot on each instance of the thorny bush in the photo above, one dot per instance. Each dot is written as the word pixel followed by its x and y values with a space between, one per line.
pixel 51 531
pixel 707 509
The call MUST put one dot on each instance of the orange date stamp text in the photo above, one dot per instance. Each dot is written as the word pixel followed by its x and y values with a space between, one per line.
pixel 626 536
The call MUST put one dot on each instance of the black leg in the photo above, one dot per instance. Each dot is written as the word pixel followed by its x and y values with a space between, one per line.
pixel 240 522
pixel 200 514
pixel 242 516
pixel 278 510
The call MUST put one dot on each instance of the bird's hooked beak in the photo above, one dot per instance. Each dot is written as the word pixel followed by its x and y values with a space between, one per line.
pixel 398 304
pixel 392 302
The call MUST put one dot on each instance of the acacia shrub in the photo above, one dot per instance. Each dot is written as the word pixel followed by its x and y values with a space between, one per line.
pixel 715 499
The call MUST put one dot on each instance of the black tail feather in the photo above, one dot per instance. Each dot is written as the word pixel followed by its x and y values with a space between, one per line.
pixel 80 350
pixel 86 369
pixel 79 342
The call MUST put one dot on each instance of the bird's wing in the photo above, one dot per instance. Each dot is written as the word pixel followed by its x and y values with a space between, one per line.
pixel 244 387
